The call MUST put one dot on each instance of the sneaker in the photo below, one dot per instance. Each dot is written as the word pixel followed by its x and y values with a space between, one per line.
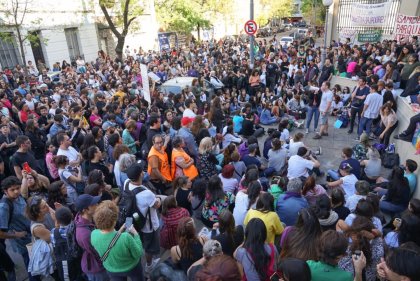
pixel 357 138
pixel 149 268
pixel 320 150
pixel 307 131
pixel 317 137
pixel 349 132
pixel 324 134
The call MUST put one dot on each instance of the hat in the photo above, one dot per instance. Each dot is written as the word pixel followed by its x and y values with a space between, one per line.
pixel 134 171
pixel 364 138
pixel 345 166
pixel 212 248
pixel 43 85
pixel 84 201
pixel 186 120
pixel 108 124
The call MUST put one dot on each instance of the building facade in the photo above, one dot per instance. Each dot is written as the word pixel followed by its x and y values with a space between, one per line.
pixel 69 29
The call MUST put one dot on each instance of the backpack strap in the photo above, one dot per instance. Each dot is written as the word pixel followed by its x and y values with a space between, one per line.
pixel 113 242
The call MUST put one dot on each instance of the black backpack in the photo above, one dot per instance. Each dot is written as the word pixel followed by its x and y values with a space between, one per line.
pixel 68 267
pixel 74 250
pixel 128 206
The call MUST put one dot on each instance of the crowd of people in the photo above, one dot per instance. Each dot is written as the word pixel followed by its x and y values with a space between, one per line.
pixel 97 182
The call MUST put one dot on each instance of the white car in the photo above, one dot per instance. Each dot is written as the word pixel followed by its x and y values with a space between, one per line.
pixel 286 41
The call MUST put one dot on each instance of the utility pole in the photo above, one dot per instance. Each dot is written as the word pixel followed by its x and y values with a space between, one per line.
pixel 251 39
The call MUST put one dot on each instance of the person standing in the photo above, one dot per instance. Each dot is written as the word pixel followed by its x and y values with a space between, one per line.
pixel 324 109
pixel 147 203
pixel 90 263
pixel 358 97
pixel 314 99
pixel 371 108
pixel 14 226
pixel 158 163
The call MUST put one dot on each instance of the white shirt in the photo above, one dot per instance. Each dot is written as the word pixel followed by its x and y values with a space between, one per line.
pixel 228 138
pixel 146 199
pixel 351 201
pixel 71 153
pixel 241 207
pixel 189 113
pixel 298 167
pixel 325 99
pixel 374 102
pixel 229 184
pixel 349 185
pixel 294 147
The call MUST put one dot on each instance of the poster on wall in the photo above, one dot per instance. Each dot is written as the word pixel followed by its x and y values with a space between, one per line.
pixel 369 14
pixel 372 36
pixel 347 33
pixel 167 40
pixel 406 26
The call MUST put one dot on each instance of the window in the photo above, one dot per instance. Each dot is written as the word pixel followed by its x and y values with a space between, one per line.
pixel 72 38
pixel 9 53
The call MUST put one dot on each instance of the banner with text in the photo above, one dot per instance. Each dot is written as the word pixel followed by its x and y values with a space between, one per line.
pixel 406 26
pixel 369 14
pixel 373 36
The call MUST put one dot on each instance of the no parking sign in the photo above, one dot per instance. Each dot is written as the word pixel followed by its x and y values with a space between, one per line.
pixel 250 27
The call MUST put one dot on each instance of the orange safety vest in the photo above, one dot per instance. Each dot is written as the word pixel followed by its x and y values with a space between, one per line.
pixel 191 172
pixel 163 167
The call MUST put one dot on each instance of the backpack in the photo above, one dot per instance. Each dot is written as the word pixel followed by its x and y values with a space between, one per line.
pixel 74 250
pixel 128 206
pixel 68 267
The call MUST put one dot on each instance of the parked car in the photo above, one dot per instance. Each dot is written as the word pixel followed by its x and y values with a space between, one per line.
pixel 301 24
pixel 263 32
pixel 176 85
pixel 286 40
pixel 288 26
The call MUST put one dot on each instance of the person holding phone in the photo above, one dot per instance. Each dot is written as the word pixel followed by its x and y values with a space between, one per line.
pixel 124 261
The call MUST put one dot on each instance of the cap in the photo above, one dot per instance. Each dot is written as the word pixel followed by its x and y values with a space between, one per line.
pixel 108 124
pixel 134 171
pixel 212 248
pixel 43 85
pixel 186 120
pixel 345 166
pixel 84 201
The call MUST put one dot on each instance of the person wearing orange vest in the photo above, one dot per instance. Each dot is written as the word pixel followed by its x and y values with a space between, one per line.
pixel 158 164
pixel 181 163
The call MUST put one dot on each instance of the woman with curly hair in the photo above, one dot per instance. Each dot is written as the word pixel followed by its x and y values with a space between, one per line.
pixel 363 240
pixel 125 258
pixel 57 196
pixel 190 246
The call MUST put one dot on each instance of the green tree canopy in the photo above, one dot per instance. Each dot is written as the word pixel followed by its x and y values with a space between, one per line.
pixel 313 11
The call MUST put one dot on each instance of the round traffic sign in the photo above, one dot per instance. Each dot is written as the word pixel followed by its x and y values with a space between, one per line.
pixel 250 27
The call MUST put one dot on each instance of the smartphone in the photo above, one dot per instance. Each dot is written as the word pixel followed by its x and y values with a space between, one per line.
pixel 26 168
pixel 128 223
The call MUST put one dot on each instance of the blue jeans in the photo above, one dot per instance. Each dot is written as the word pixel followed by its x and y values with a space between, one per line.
pixel 312 110
pixel 334 175
pixel 390 208
pixel 100 276
pixel 364 125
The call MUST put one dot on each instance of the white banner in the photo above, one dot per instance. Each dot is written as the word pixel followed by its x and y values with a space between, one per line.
pixel 369 14
pixel 406 26
pixel 145 79
pixel 347 33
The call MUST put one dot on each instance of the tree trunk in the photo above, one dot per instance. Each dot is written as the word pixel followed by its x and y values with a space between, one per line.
pixel 22 50
pixel 198 32
pixel 120 47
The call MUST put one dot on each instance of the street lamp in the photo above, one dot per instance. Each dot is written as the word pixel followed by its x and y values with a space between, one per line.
pixel 327 4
